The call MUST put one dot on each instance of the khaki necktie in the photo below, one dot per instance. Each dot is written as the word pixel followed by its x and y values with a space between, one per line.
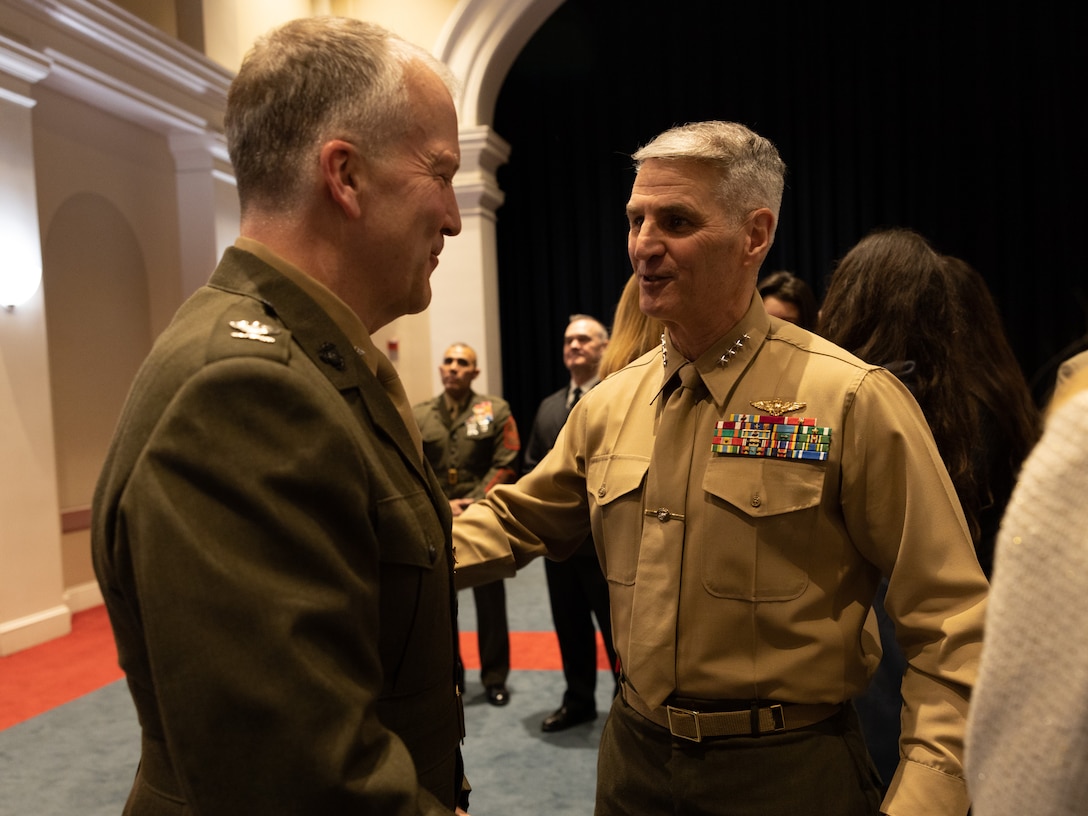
pixel 390 380
pixel 651 664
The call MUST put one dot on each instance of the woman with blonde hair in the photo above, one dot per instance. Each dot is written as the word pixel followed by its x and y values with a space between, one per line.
pixel 633 333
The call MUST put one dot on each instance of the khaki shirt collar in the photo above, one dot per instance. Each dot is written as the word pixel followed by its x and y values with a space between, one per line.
pixel 722 364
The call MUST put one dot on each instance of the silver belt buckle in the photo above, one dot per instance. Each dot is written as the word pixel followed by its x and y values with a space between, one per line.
pixel 679 714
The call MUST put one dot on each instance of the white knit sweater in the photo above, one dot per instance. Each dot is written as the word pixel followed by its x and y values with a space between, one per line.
pixel 1027 740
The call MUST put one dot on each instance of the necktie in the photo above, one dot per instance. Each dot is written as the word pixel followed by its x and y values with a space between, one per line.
pixel 390 380
pixel 575 395
pixel 651 664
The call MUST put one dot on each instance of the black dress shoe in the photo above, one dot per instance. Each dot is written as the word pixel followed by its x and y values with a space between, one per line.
pixel 498 695
pixel 564 718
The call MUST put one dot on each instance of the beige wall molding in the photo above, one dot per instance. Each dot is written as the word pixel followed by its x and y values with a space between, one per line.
pixel 90 73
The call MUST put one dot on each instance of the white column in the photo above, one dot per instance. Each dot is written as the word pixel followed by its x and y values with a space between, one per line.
pixel 465 302
pixel 32 608
pixel 202 165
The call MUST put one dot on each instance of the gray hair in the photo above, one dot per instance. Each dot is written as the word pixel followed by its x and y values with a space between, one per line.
pixel 752 174
pixel 602 329
pixel 309 81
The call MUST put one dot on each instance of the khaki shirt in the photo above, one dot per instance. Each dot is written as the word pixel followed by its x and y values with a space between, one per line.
pixel 781 557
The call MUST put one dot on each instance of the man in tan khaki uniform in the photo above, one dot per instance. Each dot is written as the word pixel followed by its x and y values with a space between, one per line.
pixel 746 485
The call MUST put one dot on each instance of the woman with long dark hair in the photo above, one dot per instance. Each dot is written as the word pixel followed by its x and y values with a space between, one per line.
pixel 895 301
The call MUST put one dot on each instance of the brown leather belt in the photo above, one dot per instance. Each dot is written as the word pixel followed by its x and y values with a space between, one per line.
pixel 694 725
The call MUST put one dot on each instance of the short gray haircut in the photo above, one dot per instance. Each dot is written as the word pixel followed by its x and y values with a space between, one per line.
pixel 309 81
pixel 752 174
pixel 603 333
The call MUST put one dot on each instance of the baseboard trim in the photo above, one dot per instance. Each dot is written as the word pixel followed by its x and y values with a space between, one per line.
pixel 32 630
pixel 83 596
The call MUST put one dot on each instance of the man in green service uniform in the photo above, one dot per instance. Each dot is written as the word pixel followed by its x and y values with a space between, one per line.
pixel 273 551
pixel 471 441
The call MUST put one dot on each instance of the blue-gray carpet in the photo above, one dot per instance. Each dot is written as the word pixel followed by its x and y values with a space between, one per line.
pixel 79 759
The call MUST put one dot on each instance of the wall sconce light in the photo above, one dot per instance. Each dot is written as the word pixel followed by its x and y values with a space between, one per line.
pixel 17 287
pixel 20 273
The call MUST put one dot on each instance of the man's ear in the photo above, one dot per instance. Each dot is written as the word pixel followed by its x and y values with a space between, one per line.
pixel 760 233
pixel 341 170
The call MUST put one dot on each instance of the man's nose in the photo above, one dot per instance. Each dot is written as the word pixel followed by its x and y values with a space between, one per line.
pixel 452 223
pixel 647 243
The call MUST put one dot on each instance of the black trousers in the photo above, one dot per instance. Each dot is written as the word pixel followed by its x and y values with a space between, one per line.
pixel 578 592
pixel 822 770
pixel 492 633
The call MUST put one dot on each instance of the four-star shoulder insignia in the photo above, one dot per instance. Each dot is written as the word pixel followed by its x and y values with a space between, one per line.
pixel 777 406
pixel 253 330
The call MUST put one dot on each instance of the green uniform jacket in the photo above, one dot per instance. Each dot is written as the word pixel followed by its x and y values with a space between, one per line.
pixel 277 568
pixel 474 451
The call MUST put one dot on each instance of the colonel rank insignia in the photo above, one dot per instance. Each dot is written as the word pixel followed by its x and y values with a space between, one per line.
pixel 772 436
pixel 253 330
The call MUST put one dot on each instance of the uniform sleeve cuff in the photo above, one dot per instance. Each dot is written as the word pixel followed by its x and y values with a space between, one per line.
pixel 917 790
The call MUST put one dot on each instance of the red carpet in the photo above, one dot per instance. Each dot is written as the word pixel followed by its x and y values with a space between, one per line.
pixel 40 678
pixel 43 677
pixel 528 650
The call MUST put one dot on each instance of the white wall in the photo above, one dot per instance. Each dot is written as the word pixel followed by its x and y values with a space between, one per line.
pixel 31 606
pixel 110 158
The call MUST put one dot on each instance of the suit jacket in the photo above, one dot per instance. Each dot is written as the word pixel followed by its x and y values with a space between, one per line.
pixel 549 421
pixel 277 568
pixel 550 418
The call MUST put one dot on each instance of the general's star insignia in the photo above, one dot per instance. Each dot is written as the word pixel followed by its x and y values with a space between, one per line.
pixel 246 330
pixel 778 406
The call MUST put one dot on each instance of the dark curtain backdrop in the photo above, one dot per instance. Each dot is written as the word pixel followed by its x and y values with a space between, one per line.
pixel 963 120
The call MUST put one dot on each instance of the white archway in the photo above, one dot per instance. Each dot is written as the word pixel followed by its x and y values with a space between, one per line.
pixel 480 41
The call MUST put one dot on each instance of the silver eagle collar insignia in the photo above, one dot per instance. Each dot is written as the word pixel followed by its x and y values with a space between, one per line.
pixel 253 330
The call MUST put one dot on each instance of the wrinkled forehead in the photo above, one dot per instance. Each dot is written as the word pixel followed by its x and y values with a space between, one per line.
pixel 657 176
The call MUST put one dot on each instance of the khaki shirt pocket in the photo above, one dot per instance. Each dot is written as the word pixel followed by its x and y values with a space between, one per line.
pixel 614 484
pixel 760 550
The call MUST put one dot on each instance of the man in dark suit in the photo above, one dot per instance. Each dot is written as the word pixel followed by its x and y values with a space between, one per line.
pixel 576 587
pixel 471 441
pixel 273 550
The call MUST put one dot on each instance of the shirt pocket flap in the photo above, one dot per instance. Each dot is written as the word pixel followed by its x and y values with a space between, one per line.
pixel 408 530
pixel 764 487
pixel 611 477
